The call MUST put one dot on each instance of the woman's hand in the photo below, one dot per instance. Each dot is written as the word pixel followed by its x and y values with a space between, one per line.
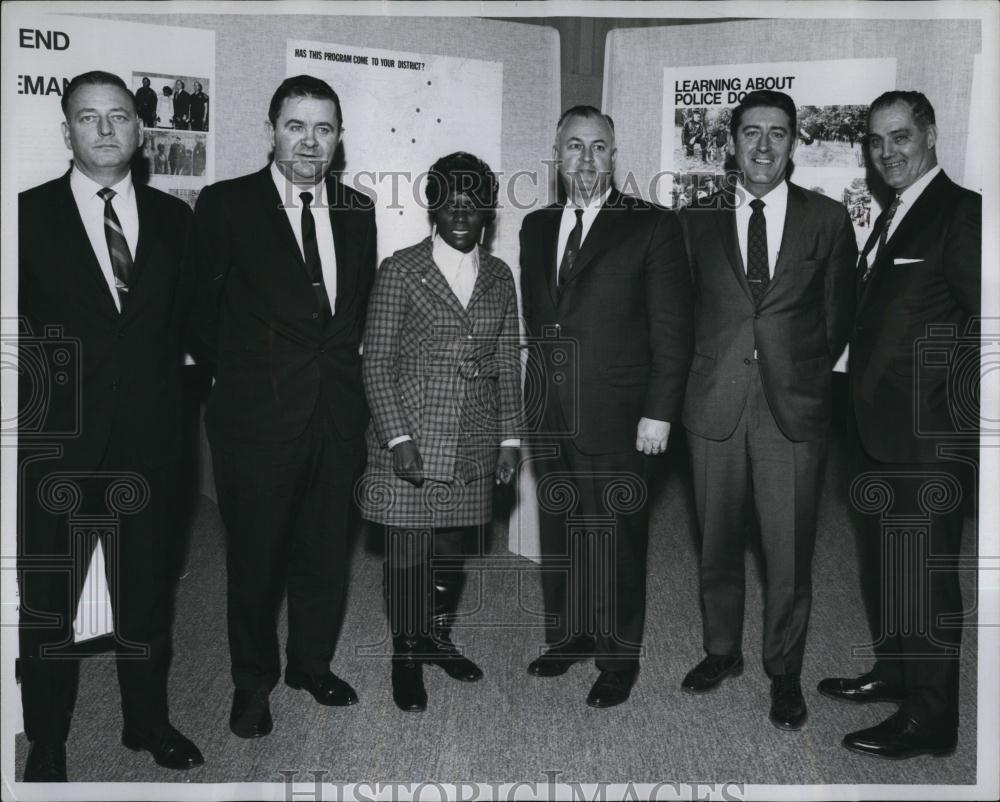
pixel 407 464
pixel 506 465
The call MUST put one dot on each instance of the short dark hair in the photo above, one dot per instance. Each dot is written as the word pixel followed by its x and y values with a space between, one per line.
pixel 764 98
pixel 588 112
pixel 94 78
pixel 920 106
pixel 302 86
pixel 461 172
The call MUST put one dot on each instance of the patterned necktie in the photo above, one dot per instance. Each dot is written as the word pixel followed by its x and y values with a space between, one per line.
pixel 757 270
pixel 882 237
pixel 572 248
pixel 311 249
pixel 121 257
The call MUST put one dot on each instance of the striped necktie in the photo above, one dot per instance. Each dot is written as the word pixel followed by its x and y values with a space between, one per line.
pixel 121 257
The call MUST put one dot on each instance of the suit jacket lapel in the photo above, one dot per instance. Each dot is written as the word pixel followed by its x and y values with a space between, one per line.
pixel 89 267
pixel 603 232
pixel 550 249
pixel 725 221
pixel 341 238
pixel 791 233
pixel 274 206
pixel 484 280
pixel 150 226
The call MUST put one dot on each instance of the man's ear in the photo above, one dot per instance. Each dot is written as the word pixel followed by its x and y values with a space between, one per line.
pixel 65 133
pixel 931 135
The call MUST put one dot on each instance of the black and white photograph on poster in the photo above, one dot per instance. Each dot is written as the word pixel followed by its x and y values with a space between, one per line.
pixel 702 137
pixel 688 188
pixel 180 102
pixel 177 354
pixel 175 152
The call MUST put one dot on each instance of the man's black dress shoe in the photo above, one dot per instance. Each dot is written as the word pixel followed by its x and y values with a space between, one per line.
pixel 250 716
pixel 788 708
pixel 711 671
pixel 408 691
pixel 444 654
pixel 557 659
pixel 865 688
pixel 46 763
pixel 611 688
pixel 900 736
pixel 329 690
pixel 168 747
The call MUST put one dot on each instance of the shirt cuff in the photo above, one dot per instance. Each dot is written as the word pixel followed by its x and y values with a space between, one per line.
pixel 397 440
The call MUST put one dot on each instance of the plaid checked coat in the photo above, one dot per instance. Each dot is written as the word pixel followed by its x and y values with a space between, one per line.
pixel 450 377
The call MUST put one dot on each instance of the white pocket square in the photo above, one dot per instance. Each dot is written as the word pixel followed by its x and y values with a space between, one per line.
pixel 904 261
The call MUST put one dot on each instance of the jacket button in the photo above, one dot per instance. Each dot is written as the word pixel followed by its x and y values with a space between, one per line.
pixel 756 315
pixel 114 385
pixel 746 361
pixel 315 315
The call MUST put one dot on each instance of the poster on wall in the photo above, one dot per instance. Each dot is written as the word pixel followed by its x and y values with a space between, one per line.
pixel 402 112
pixel 831 100
pixel 171 71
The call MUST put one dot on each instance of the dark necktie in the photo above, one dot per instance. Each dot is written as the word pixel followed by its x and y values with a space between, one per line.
pixel 882 237
pixel 757 270
pixel 572 248
pixel 311 250
pixel 121 257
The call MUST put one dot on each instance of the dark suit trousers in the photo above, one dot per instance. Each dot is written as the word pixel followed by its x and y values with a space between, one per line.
pixel 55 541
pixel 757 465
pixel 286 508
pixel 909 528
pixel 594 531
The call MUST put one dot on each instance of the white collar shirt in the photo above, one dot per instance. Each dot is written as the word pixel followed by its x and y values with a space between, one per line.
pixel 91 209
pixel 775 206
pixel 459 269
pixel 292 204
pixel 568 221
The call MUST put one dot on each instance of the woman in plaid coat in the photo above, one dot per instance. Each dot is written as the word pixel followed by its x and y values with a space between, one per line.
pixel 442 375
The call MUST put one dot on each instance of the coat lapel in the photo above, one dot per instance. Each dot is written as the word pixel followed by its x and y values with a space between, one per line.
pixel 89 267
pixel 791 234
pixel 550 249
pixel 277 217
pixel 150 228
pixel 484 280
pixel 603 233
pixel 725 222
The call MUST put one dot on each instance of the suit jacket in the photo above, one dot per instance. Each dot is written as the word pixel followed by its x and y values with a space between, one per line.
pixel 799 328
pixel 908 384
pixel 446 375
pixel 182 108
pixel 92 378
pixel 613 344
pixel 258 320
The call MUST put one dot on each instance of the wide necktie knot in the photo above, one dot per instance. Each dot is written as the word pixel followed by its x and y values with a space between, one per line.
pixel 106 194
pixel 306 198
pixel 757 204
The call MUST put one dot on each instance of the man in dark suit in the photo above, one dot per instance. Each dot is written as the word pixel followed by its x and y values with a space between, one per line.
pixel 145 101
pixel 605 282
pixel 773 274
pixel 917 415
pixel 281 310
pixel 198 109
pixel 182 106
pixel 112 287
